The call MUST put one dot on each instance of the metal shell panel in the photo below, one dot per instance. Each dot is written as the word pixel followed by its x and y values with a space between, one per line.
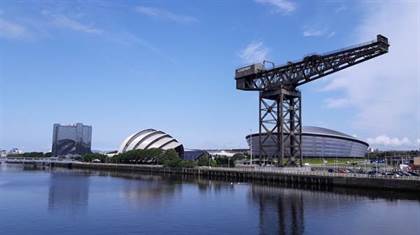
pixel 148 139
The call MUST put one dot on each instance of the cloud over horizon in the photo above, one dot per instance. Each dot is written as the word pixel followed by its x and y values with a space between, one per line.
pixel 388 141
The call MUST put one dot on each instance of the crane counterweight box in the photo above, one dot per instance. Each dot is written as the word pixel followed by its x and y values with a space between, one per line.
pixel 249 70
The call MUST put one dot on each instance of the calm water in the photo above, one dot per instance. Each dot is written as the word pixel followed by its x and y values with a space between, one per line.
pixel 88 202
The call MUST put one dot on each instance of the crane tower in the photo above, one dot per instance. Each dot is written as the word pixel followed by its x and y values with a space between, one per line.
pixel 280 109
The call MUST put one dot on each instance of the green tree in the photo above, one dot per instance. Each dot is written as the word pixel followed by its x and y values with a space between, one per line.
pixel 89 157
pixel 170 158
pixel 206 161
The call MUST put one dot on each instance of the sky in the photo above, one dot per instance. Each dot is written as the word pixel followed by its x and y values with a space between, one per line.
pixel 124 66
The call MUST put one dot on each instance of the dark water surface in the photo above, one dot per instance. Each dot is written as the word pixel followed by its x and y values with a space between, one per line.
pixel 89 202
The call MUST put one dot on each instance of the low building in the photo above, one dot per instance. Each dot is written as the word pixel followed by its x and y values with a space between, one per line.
pixel 15 151
pixel 226 152
pixel 417 162
pixel 194 154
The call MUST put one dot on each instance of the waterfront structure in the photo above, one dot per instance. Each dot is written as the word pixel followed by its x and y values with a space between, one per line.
pixel 226 152
pixel 320 143
pixel 71 139
pixel 194 154
pixel 149 139
pixel 14 151
pixel 416 162
pixel 280 109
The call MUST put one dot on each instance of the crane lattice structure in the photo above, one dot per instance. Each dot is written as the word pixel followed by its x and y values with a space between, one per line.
pixel 280 109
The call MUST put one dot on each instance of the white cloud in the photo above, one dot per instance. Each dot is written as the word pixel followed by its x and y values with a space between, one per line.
pixel 12 30
pixel 340 9
pixel 384 140
pixel 164 14
pixel 418 142
pixel 385 91
pixel 313 32
pixel 65 22
pixel 317 32
pixel 284 6
pixel 331 34
pixel 129 39
pixel 337 103
pixel 254 52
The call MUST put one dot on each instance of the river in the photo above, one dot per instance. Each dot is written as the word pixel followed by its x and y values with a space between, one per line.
pixel 61 201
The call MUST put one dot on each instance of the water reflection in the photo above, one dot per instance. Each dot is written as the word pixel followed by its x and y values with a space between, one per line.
pixel 145 190
pixel 205 185
pixel 280 210
pixel 150 191
pixel 68 191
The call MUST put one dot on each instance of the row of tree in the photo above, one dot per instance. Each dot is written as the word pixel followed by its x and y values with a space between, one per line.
pixel 169 158
pixel 31 155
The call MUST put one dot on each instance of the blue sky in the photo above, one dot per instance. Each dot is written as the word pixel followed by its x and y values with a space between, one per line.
pixel 123 66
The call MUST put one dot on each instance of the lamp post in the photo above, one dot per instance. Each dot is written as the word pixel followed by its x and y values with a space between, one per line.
pixel 250 141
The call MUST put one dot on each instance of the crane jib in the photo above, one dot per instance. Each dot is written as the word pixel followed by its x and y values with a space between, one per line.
pixel 311 67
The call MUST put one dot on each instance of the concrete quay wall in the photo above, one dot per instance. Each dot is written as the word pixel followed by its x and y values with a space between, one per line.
pixel 261 174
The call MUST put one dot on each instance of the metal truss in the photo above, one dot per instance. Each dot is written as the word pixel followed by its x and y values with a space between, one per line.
pixel 314 66
pixel 280 127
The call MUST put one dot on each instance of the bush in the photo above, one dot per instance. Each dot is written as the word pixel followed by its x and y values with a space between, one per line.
pixel 89 157
pixel 30 155
pixel 188 164
pixel 147 156
pixel 179 163
pixel 206 161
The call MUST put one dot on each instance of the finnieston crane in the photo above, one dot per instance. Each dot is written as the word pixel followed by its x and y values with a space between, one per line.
pixel 280 110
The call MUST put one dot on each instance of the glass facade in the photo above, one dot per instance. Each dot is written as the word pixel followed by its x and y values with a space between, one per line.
pixel 71 139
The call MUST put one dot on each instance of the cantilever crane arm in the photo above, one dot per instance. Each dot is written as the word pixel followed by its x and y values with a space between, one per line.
pixel 310 68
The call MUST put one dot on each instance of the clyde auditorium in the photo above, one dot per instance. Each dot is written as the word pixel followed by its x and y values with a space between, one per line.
pixel 321 142
pixel 149 139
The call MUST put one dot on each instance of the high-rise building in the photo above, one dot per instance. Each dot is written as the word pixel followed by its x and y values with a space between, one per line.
pixel 71 139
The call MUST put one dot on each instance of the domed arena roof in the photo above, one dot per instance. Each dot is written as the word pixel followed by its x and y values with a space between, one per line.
pixel 324 131
pixel 321 131
pixel 150 138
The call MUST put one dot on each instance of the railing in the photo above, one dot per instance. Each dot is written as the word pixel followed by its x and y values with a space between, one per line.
pixel 304 171
pixel 309 173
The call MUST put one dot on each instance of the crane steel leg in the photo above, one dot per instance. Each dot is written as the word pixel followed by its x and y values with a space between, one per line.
pixel 292 127
pixel 269 123
pixel 280 126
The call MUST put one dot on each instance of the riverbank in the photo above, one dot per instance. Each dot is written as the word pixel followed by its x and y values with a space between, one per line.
pixel 285 175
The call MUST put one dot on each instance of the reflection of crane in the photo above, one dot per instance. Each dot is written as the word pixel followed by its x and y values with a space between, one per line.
pixel 280 122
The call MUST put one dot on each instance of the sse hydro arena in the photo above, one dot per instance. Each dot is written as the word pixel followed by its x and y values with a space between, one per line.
pixel 318 142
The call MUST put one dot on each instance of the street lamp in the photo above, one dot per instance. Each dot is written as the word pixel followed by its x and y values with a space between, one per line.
pixel 250 140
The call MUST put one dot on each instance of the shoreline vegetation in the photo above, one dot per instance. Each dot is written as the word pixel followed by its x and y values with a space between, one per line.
pixel 170 158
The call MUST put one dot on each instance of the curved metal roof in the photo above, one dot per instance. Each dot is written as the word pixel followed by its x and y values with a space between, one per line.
pixel 324 131
pixel 148 139
pixel 320 131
